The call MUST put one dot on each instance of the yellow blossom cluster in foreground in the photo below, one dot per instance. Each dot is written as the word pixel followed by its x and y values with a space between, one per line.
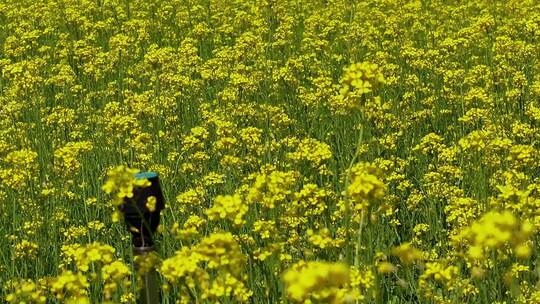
pixel 309 151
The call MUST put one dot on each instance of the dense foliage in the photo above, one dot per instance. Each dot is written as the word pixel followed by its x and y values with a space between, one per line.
pixel 310 151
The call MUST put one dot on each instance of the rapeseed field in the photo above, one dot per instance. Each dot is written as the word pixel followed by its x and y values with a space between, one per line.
pixel 309 151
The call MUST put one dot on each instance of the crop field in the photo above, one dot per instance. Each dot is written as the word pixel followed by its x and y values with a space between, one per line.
pixel 308 151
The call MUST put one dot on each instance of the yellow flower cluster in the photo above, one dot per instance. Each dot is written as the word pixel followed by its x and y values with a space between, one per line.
pixel 270 189
pixel 25 291
pixel 92 261
pixel 114 274
pixel 220 254
pixel 71 287
pixel 190 228
pixel 26 248
pixel 121 181
pixel 495 230
pixel 358 79
pixel 230 207
pixel 407 253
pixel 365 186
pixel 87 255
pixel 66 161
pixel 361 78
pixel 324 282
pixel 20 169
pixel 312 151
pixel 439 273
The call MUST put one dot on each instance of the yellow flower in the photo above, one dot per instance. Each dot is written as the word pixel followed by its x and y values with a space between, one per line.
pixel 271 188
pixel 230 207
pixel 407 253
pixel 221 250
pixel 21 168
pixel 494 230
pixel 311 150
pixel 71 287
pixel 86 255
pixel 66 161
pixel 323 281
pixel 365 186
pixel 358 79
pixel 151 203
pixel 121 181
pixel 114 275
pixel 385 267
pixel 25 291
